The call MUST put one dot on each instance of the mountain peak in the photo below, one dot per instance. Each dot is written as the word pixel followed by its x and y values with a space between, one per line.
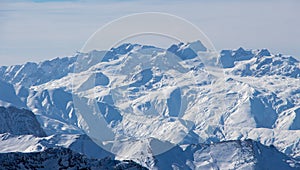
pixel 263 52
pixel 124 48
pixel 197 46
pixel 187 50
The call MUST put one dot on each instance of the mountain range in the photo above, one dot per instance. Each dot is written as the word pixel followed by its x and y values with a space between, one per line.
pixel 183 107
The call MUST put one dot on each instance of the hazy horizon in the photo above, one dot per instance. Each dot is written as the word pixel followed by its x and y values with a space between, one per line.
pixel 36 30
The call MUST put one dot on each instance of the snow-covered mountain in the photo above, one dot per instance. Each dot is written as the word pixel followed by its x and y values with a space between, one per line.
pixel 153 101
pixel 246 154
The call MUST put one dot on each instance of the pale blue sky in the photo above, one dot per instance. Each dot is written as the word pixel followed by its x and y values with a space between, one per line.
pixel 35 30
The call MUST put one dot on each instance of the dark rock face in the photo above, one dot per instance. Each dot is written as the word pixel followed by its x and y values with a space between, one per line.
pixel 19 122
pixel 61 158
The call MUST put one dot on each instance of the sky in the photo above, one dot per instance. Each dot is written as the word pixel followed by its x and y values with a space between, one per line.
pixel 37 30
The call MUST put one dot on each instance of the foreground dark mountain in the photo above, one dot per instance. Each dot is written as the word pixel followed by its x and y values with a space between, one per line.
pixel 61 158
